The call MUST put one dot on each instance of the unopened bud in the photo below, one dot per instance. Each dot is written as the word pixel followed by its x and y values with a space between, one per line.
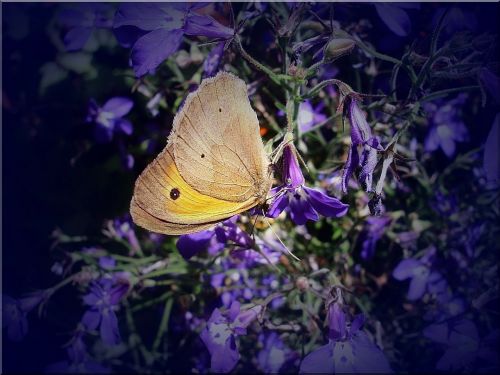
pixel 302 283
pixel 339 47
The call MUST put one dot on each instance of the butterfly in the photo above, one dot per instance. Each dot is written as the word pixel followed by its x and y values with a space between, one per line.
pixel 214 165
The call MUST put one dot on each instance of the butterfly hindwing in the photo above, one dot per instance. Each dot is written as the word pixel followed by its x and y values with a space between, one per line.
pixel 164 202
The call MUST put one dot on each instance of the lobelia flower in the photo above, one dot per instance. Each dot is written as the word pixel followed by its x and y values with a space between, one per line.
pixel 361 135
pixel 301 202
pixel 491 82
pixel 308 117
pixel 213 60
pixel 81 20
pixel 446 309
pixel 155 30
pixel 274 353
pixel 464 346
pixel 103 298
pixel 122 228
pixel 423 278
pixel 107 262
pixel 349 350
pixel 373 231
pixel 79 361
pixel 395 16
pixel 446 125
pixel 220 334
pixel 15 313
pixel 491 158
pixel 457 19
pixel 228 232
pixel 109 118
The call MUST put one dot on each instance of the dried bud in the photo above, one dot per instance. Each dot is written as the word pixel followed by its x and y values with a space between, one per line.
pixel 375 205
pixel 302 283
pixel 338 47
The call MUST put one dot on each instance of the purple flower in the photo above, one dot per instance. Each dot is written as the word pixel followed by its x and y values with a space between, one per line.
pixel 15 312
pixel 445 309
pixel 463 345
pixel 446 125
pixel 213 59
pixel 302 203
pixel 122 229
pixel 308 117
pixel 491 158
pixel 457 19
pixel 155 30
pixel 445 205
pixel 82 20
pixel 103 299
pixel 395 18
pixel 491 83
pixel 229 233
pixel 348 351
pixel 422 277
pixel 361 135
pixel 274 353
pixel 373 231
pixel 107 262
pixel 109 118
pixel 79 361
pixel 220 334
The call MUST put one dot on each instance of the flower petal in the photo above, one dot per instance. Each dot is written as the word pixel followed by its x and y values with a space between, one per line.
pixel 350 165
pixel 203 25
pixel 301 209
pixel 191 244
pixel 91 319
pixel 405 268
pixel 418 284
pixel 395 18
pixel 110 334
pixel 119 106
pixel 491 159
pixel 76 38
pixel 148 16
pixel 326 205
pixel 319 361
pixel 153 48
pixel 279 203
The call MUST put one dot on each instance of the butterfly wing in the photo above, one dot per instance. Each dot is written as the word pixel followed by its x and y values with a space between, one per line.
pixel 164 202
pixel 217 144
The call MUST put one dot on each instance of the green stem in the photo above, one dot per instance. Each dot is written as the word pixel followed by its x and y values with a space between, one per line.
pixel 151 302
pixel 422 75
pixel 277 78
pixel 163 324
pixel 316 89
pixel 441 93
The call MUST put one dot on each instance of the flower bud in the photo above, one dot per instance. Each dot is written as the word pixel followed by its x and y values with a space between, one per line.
pixel 338 47
pixel 302 283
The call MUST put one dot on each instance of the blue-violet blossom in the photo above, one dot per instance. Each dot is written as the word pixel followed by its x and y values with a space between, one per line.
pixel 302 203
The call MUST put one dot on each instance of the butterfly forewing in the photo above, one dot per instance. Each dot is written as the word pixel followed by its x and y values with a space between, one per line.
pixel 216 140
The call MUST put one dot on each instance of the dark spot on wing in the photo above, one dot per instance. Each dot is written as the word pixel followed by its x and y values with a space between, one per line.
pixel 175 193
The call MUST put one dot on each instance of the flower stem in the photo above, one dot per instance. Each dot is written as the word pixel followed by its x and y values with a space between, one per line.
pixel 163 324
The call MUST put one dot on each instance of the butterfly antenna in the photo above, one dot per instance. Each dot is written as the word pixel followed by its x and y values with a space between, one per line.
pixel 279 239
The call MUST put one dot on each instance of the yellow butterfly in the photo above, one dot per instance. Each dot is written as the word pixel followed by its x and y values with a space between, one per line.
pixel 213 167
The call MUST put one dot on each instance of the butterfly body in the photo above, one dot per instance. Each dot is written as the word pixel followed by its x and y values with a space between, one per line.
pixel 213 167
